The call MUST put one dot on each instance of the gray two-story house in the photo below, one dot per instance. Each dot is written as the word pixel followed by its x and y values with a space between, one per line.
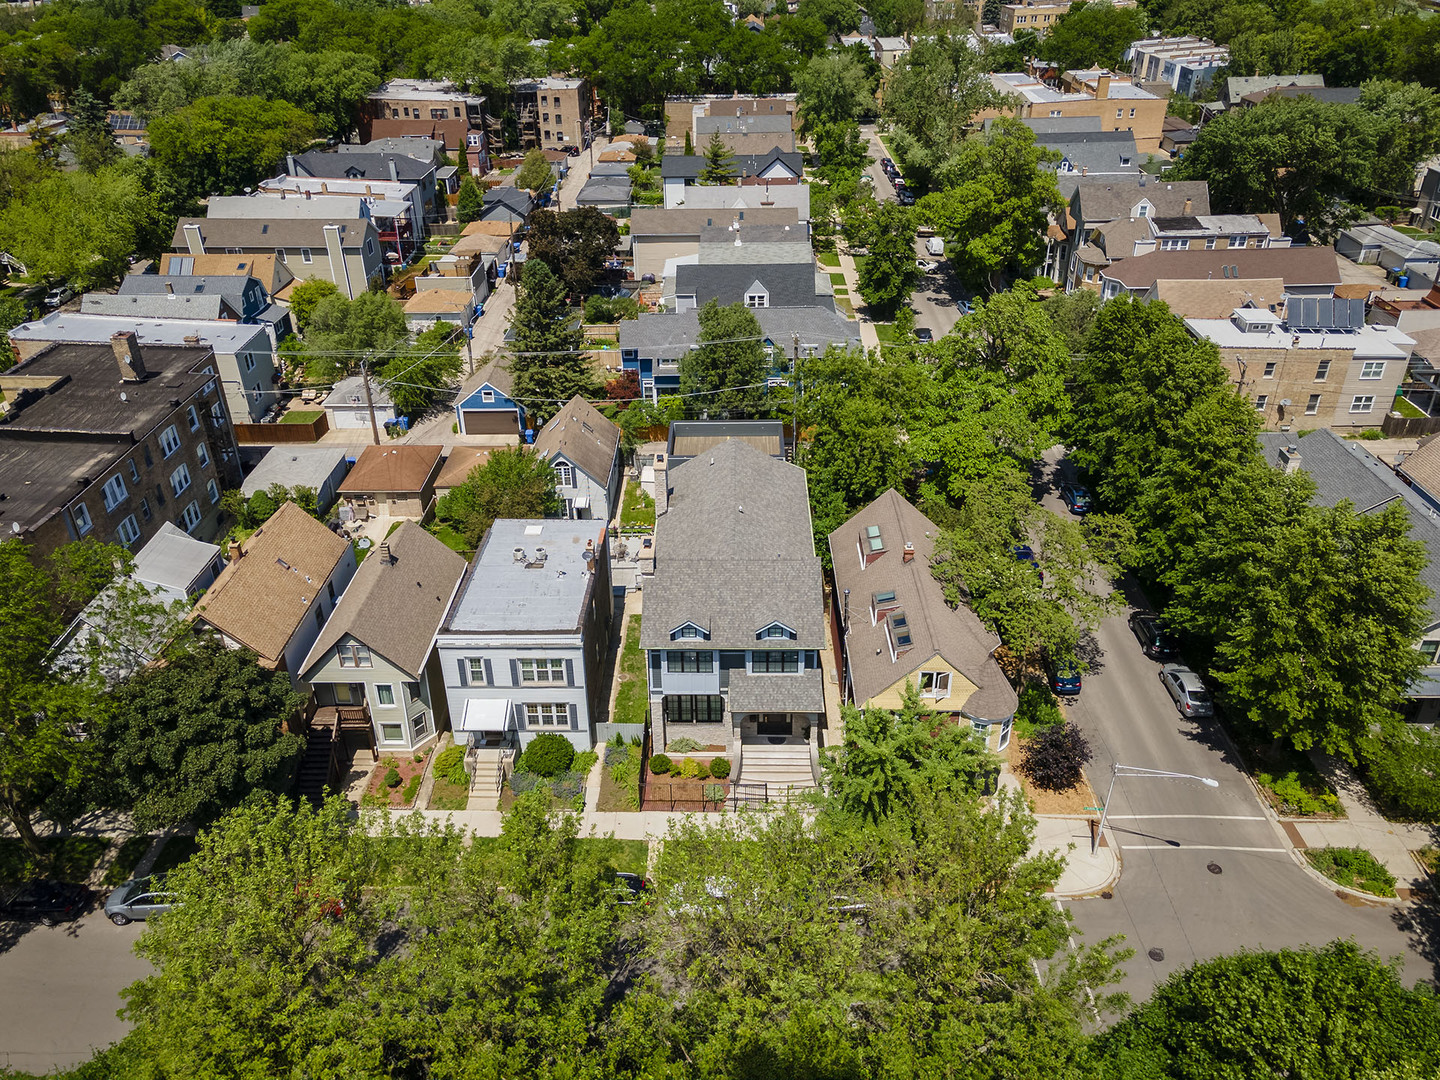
pixel 733 622
pixel 374 659
pixel 522 649
pixel 584 450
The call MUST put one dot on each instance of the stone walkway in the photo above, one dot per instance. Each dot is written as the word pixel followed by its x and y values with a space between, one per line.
pixel 1364 827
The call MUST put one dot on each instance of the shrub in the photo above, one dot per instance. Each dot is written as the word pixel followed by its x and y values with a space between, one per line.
pixel 1403 768
pixel 1355 868
pixel 1037 710
pixel 714 792
pixel 659 764
pixel 690 769
pixel 392 777
pixel 583 763
pixel 549 755
pixel 522 781
pixel 450 765
pixel 568 786
pixel 720 767
pixel 412 788
pixel 1295 798
pixel 616 752
pixel 1056 758
pixel 684 745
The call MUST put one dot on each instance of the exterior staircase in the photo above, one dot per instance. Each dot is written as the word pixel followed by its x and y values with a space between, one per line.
pixel 488 768
pixel 770 774
pixel 319 766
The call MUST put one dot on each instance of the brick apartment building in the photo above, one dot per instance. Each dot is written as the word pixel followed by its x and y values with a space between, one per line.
pixel 552 113
pixel 111 441
pixel 429 108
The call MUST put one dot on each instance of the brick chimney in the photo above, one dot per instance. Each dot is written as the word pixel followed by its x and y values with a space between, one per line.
pixel 127 355
pixel 235 551
pixel 1102 86
pixel 908 555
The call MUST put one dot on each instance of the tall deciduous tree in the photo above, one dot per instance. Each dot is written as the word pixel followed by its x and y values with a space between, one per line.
pixel 728 367
pixel 834 88
pixel 188 740
pixel 416 377
pixel 994 206
pixel 216 146
pixel 574 244
pixel 889 274
pixel 534 173
pixel 514 482
pixel 1093 34
pixel 548 367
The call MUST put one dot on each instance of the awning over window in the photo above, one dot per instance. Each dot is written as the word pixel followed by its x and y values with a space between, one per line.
pixel 486 714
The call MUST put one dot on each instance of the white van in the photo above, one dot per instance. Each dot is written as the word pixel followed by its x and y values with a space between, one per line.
pixel 935 246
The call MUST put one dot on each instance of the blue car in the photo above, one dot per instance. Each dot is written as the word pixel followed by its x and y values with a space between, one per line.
pixel 1065 678
pixel 1076 498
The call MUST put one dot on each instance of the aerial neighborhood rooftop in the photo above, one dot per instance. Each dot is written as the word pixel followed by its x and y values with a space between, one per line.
pixel 630 540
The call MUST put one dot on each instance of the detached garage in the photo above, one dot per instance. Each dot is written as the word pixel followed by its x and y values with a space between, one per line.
pixel 489 409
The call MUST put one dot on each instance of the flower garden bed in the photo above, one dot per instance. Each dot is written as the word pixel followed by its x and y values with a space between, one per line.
pixel 382 792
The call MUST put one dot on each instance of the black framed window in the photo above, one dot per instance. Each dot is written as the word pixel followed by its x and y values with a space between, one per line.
pixel 775 661
pixel 688 660
pixel 695 709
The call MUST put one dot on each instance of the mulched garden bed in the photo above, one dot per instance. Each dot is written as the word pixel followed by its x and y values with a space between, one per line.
pixel 377 793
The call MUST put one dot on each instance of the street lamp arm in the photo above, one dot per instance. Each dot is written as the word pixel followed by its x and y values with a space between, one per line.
pixel 1118 770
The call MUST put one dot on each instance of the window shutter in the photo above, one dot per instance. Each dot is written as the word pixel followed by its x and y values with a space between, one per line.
pixel 519 714
pixel 514 672
pixel 574 713
pixel 570 675
pixel 489 674
pixel 463 664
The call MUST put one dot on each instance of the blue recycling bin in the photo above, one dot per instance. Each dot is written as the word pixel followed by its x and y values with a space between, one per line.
pixel 404 423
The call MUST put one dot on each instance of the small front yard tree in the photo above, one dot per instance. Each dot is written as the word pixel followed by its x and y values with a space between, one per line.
pixel 514 483
pixel 1055 759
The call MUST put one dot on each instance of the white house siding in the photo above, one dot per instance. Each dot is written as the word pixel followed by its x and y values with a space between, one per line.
pixel 504 682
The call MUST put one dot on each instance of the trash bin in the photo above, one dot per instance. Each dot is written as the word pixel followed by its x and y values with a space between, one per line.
pixel 1403 281
pixel 404 423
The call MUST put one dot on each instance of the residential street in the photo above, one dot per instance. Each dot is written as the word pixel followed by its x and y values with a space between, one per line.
pixel 1170 832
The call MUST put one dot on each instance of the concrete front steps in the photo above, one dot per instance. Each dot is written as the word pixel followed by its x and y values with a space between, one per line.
pixel 488 768
pixel 783 770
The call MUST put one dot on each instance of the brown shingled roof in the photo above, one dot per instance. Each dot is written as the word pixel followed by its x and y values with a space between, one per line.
pixel 393 468
pixel 583 437
pixel 261 598
pixel 1295 266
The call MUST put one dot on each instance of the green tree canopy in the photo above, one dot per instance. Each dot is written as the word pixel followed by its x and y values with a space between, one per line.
pixel 548 367
pixel 190 739
pixel 834 88
pixel 216 146
pixel 574 244
pixel 534 173
pixel 306 297
pixel 719 162
pixel 471 203
pixel 418 376
pixel 729 365
pixel 1094 34
pixel 341 333
pixel 514 482
pixel 889 274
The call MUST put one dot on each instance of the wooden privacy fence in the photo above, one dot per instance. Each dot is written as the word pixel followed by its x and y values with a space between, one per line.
pixel 270 434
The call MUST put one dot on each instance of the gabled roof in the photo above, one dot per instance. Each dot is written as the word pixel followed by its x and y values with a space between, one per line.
pixel 267 269
pixel 583 437
pixel 395 602
pixel 690 166
pixel 1422 466
pixel 512 197
pixel 294 466
pixel 459 463
pixel 208 306
pixel 270 233
pixel 1095 151
pixel 1110 199
pixel 735 552
pixel 496 374
pixel 956 635
pixel 363 162
pixel 261 599
pixel 788 286
pixel 671 335
pixel 230 286
pixel 647 221
pixel 404 467
pixel 1295 266
pixel 350 392
pixel 172 559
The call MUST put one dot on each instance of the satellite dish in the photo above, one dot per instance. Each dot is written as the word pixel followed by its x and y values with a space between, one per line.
pixel 363 543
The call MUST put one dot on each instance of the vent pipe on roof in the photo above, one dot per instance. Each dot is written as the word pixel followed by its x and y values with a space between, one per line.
pixel 519 554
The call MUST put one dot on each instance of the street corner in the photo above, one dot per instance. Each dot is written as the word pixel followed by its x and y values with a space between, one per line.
pixel 1087 873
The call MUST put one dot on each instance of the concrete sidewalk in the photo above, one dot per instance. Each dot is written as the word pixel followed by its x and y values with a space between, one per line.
pixel 1364 827
pixel 1084 874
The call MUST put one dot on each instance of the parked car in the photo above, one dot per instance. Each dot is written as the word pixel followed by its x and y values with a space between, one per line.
pixel 886 164
pixel 46 902
pixel 1191 697
pixel 925 266
pixel 1025 553
pixel 935 246
pixel 1065 679
pixel 572 151
pixel 1157 641
pixel 1077 498
pixel 63 295
pixel 965 307
pixel 905 197
pixel 137 900
pixel 924 334
pixel 630 889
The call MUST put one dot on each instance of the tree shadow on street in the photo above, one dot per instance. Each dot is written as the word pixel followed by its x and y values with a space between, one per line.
pixel 1420 922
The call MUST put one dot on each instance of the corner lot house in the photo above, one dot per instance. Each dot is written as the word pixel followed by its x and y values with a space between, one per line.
pixel 523 647
pixel 280 587
pixel 584 450
pixel 374 659
pixel 898 630
pixel 733 622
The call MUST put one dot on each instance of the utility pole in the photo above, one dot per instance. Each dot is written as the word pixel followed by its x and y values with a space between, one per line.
pixel 369 400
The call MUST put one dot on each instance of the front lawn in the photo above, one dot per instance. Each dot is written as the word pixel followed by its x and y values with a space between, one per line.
pixel 632 699
pixel 447 795
pixel 620 779
pixel 302 416
pixel 829 259
pixel 838 280
pixel 1355 868
pixel 396 780
pixel 885 332
pixel 638 511
pixel 65 858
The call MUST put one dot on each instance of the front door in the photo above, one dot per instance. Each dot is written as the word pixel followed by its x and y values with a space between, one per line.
pixel 772 723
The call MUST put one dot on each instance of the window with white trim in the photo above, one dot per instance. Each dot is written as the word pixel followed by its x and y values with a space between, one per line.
pixel 564 475
pixel 385 695
pixel 476 664
pixel 217 414
pixel 1313 405
pixel 191 516
pixel 935 684
pixel 1322 371
pixel 194 417
pixel 169 441
pixel 128 531
pixel 1362 403
pixel 357 656
pixel 392 733
pixel 538 671
pixel 1262 401
pixel 487 396
pixel 1210 243
pixel 1372 369
pixel 213 490
pixel 180 479
pixel 83 524
pixel 305 256
pixel 203 453
pixel 249 361
pixel 547 714
pixel 689 630
pixel 1270 370
pixel 757 300
pixel 114 492
pixel 145 509
pixel 134 472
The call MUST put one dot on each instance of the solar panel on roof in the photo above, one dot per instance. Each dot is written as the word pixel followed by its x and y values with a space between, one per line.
pixel 1324 313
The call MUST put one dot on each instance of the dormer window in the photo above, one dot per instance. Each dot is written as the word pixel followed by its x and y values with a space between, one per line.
pixel 1143 210
pixel 775 632
pixel 757 300
pixel 880 603
pixel 688 632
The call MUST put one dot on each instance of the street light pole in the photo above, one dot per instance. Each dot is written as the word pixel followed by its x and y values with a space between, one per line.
pixel 1118 770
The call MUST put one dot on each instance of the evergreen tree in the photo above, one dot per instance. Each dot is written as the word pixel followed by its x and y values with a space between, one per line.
pixel 689 145
pixel 472 202
pixel 719 162
pixel 548 367
pixel 88 134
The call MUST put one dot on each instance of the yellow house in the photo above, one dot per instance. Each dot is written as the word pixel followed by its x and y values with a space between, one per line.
pixel 897 628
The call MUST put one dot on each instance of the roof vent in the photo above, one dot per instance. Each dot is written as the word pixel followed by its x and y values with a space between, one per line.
pixel 519 554
pixel 541 554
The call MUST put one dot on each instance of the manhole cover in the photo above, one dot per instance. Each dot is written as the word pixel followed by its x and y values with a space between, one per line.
pixel 1157 955
pixel 1214 868
pixel 1107 895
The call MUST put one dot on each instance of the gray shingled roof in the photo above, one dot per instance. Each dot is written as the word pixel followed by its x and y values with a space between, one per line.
pixel 789 286
pixel 673 334
pixel 583 437
pixel 269 233
pixel 161 306
pixel 689 166
pixel 735 552
pixel 802 692
pixel 1294 265
pixel 366 165
pixel 1345 470
pixel 1095 151
pixel 1110 199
